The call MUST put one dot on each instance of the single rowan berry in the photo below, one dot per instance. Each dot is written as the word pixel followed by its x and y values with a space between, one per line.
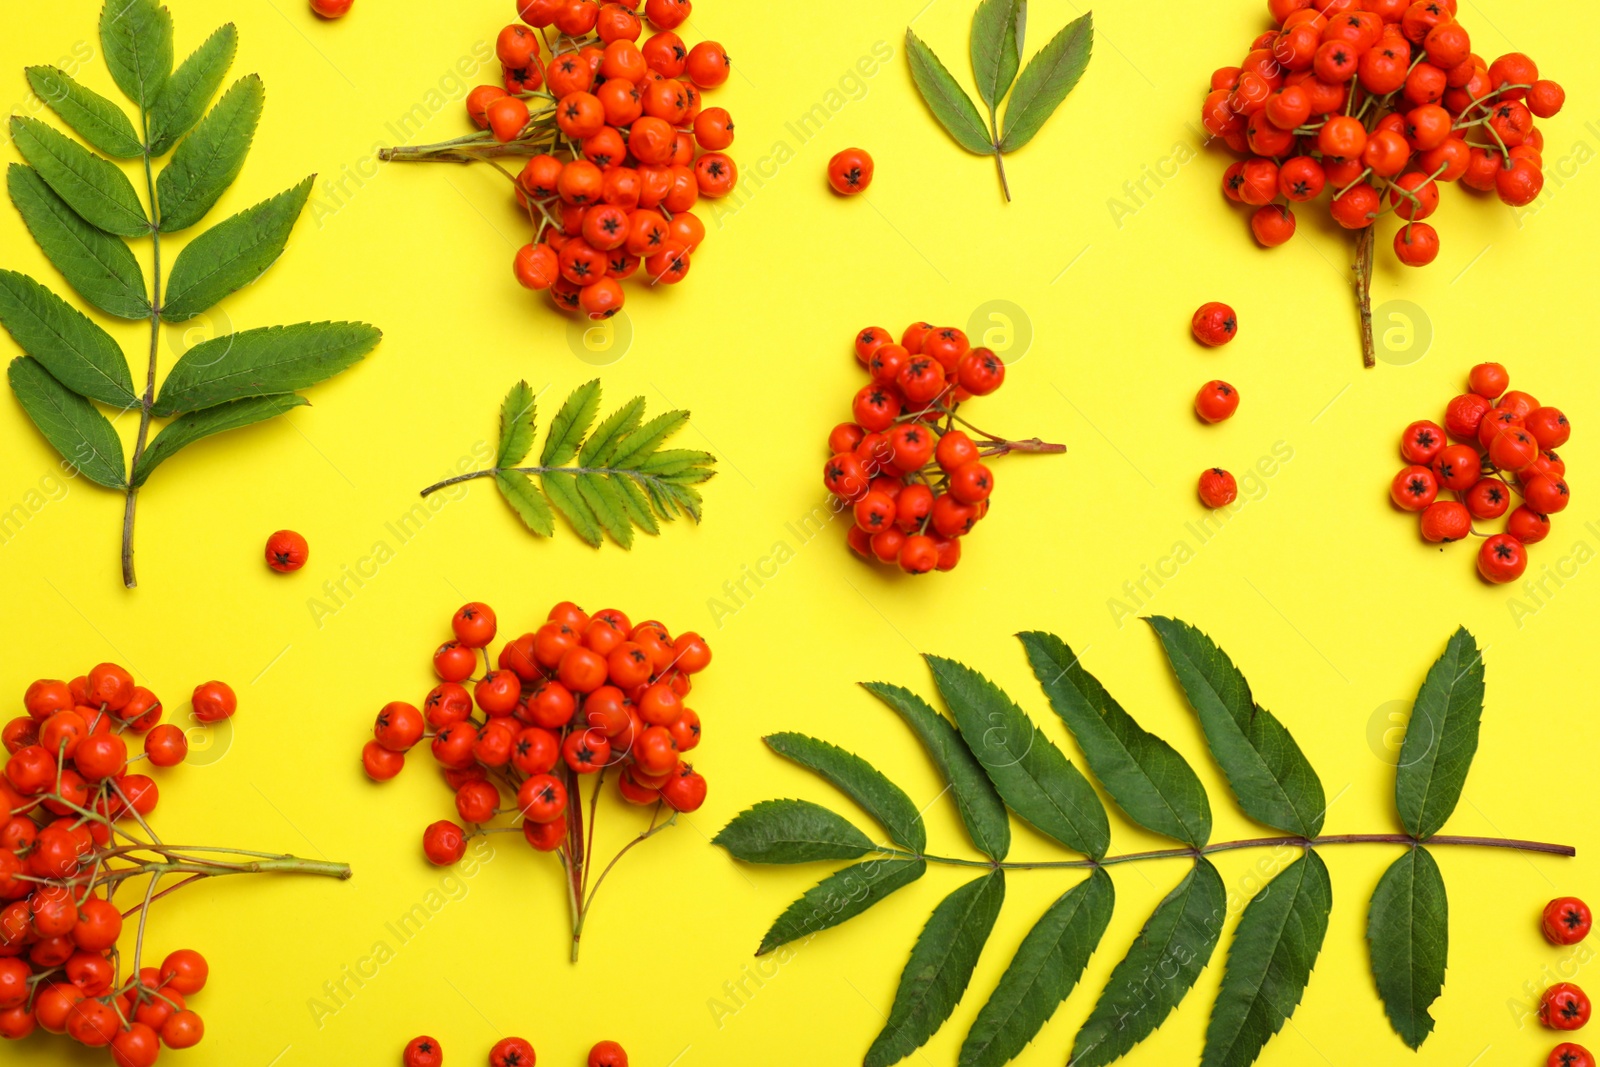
pixel 1502 559
pixel 287 551
pixel 1217 488
pixel 1564 1006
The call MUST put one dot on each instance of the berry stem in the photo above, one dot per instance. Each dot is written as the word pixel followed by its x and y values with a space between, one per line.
pixel 1363 272
pixel 1248 843
pixel 581 911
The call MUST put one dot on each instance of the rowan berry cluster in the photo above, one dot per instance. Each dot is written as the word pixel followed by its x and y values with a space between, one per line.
pixel 621 141
pixel 67 847
pixel 583 696
pixel 425 1051
pixel 915 482
pixel 1376 101
pixel 1499 431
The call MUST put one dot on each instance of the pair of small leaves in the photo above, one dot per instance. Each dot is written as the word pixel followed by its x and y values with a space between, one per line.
pixel 997 45
pixel 79 205
pixel 609 482
pixel 989 767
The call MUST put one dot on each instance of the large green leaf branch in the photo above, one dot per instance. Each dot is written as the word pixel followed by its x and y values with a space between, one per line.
pixel 997 762
pixel 610 482
pixel 81 208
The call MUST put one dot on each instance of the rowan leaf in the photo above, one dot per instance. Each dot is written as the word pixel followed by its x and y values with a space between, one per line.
pixel 1042 974
pixel 72 425
pixel 526 500
pixel 1031 775
pixel 210 158
pixel 232 254
pixel 792 831
pixel 1408 931
pixel 1269 963
pixel 71 346
pixel 183 100
pixel 1269 774
pixel 518 422
pixel 1160 968
pixel 100 267
pixel 859 780
pixel 598 450
pixel 981 809
pixel 1147 778
pixel 996 51
pixel 1047 79
pixel 606 502
pixel 941 964
pixel 93 187
pixel 185 430
pixel 571 423
pixel 561 489
pixel 262 362
pixel 94 118
pixel 947 100
pixel 841 896
pixel 136 36
pixel 1441 738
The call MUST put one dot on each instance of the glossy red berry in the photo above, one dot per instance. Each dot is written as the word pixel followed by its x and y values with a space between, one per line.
pixel 1568 1054
pixel 422 1052
pixel 1488 380
pixel 1414 488
pixel 850 171
pixel 1564 1006
pixel 474 625
pixel 1214 324
pixel 1422 442
pixel 444 843
pixel 1216 401
pixel 1566 921
pixel 214 701
pixel 1445 520
pixel 512 1052
pixel 287 551
pixel 1217 488
pixel 607 1054
pixel 330 9
pixel 1502 559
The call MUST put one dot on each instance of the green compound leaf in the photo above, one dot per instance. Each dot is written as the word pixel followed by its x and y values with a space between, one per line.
pixel 561 488
pixel 76 351
pixel 601 447
pixel 1441 738
pixel 1269 963
pixel 518 423
pixel 1147 778
pixel 93 187
pixel 519 492
pixel 1266 769
pixel 839 897
pixel 1159 970
pixel 1043 972
pixel 209 159
pixel 607 505
pixel 136 36
pixel 996 48
pixel 263 362
pixel 99 266
pixel 571 423
pixel 71 424
pixel 232 254
pixel 191 87
pixel 861 781
pixel 949 103
pixel 197 425
pixel 94 118
pixel 940 967
pixel 1031 775
pixel 1408 931
pixel 982 811
pixel 792 831
pixel 1046 81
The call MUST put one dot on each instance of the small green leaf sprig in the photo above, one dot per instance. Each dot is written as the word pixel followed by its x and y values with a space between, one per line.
pixel 608 483
pixel 999 28
pixel 81 208
pixel 997 762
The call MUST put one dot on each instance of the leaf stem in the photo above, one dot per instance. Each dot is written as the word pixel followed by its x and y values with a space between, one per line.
pixel 149 398
pixel 1248 843
pixel 638 476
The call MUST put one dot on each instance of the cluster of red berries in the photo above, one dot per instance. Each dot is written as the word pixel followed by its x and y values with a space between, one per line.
pixel 1566 921
pixel 1377 101
pixel 1499 432
pixel 621 141
pixel 509 1052
pixel 1214 324
pixel 581 695
pixel 66 787
pixel 916 484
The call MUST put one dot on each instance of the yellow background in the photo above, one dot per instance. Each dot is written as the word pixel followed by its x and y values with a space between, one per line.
pixel 1325 595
